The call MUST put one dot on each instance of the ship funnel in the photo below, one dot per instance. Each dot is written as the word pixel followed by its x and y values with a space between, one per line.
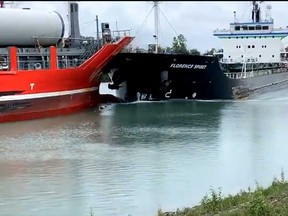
pixel 74 25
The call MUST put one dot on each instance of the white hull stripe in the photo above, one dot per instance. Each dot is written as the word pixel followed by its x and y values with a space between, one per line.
pixel 45 95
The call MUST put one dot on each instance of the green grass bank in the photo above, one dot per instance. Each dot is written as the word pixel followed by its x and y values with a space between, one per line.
pixel 272 200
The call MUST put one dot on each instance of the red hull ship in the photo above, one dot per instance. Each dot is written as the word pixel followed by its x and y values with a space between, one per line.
pixel 50 87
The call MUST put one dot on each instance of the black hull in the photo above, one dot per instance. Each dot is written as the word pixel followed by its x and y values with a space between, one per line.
pixel 165 76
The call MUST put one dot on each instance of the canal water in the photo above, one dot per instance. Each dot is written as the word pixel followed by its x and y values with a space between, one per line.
pixel 131 159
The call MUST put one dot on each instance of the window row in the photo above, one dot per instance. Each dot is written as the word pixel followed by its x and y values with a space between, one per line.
pixel 242 37
pixel 257 27
pixel 243 56
pixel 252 46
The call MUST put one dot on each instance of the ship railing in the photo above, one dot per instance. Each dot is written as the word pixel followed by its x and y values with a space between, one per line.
pixel 39 64
pixel 233 61
pixel 94 47
pixel 222 31
pixel 219 52
pixel 120 33
pixel 69 63
pixel 33 64
pixel 239 75
pixel 239 60
pixel 280 29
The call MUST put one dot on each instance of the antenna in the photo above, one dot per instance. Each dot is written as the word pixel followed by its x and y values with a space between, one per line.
pixel 235 19
pixel 117 29
pixel 268 13
pixel 97 33
pixel 156 10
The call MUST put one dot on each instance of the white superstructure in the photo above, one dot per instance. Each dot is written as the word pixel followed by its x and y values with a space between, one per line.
pixel 256 41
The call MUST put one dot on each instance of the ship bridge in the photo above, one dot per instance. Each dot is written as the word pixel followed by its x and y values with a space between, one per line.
pixel 251 29
pixel 254 41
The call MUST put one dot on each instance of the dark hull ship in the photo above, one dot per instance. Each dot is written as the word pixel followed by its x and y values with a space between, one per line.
pixel 253 61
pixel 142 76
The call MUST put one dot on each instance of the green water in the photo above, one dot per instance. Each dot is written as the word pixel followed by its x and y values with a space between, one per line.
pixel 136 158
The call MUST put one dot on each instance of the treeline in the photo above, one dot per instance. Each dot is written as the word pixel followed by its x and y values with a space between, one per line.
pixel 179 46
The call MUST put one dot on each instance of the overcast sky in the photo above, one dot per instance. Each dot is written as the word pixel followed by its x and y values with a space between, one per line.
pixel 195 20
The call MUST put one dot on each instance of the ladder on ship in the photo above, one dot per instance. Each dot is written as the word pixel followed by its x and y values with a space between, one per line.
pixel 90 50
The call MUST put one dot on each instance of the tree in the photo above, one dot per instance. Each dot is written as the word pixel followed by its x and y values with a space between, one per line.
pixel 194 52
pixel 179 45
pixel 210 52
pixel 168 50
pixel 161 49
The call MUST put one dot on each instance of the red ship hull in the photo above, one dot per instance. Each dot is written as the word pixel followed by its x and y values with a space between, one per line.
pixel 33 94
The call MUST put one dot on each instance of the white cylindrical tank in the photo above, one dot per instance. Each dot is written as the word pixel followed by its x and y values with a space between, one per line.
pixel 20 27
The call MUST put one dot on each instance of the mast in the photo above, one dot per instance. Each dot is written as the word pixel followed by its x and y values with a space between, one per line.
pixel 69 17
pixel 156 16
pixel 1 4
pixel 97 33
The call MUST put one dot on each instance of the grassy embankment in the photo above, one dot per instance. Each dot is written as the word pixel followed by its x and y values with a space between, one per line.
pixel 272 200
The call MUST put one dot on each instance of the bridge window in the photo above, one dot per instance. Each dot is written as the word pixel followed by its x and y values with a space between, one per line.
pixel 265 27
pixel 251 27
pixel 248 46
pixel 258 27
pixel 253 46
pixel 237 28
pixel 244 27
